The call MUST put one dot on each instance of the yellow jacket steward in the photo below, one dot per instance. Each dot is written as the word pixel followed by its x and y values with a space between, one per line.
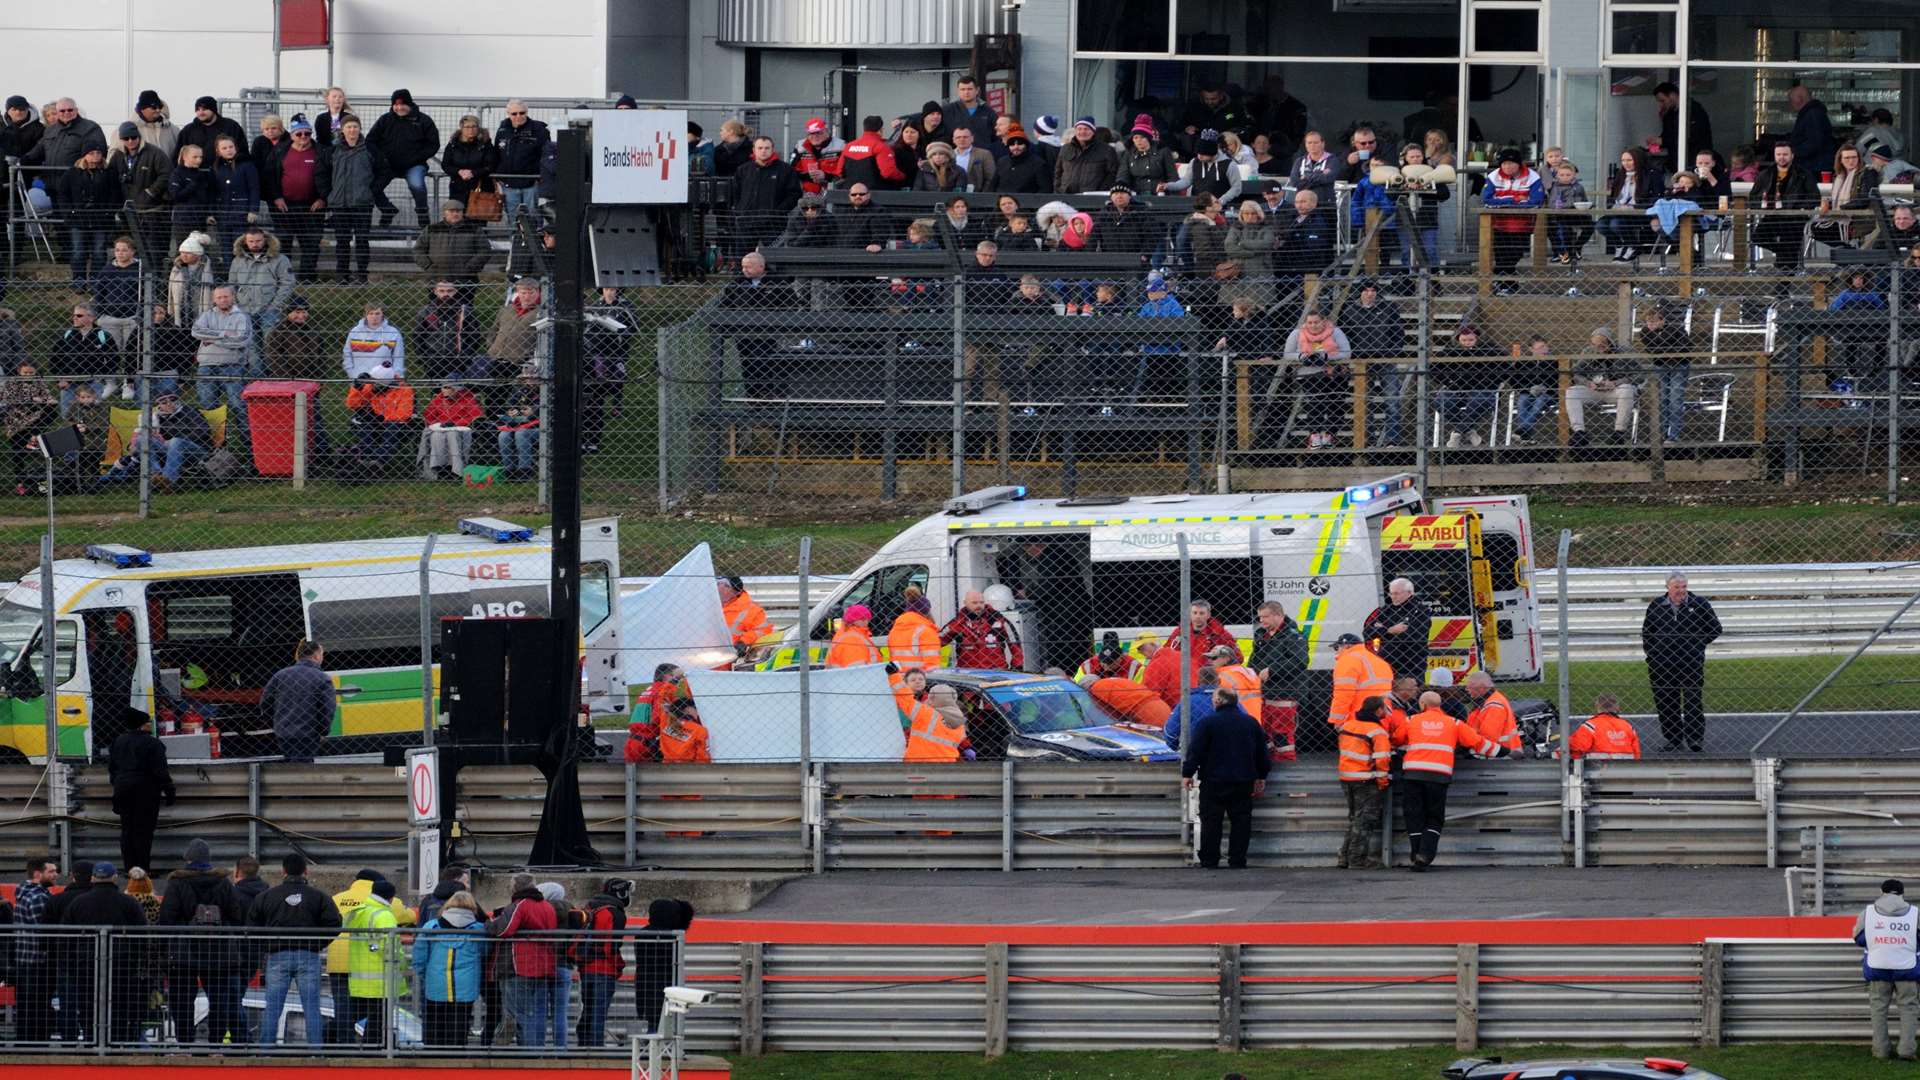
pixel 360 892
pixel 370 955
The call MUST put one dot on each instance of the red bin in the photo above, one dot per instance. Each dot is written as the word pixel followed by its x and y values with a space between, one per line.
pixel 270 422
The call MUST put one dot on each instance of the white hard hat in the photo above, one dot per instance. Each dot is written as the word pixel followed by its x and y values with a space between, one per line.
pixel 1440 677
pixel 999 597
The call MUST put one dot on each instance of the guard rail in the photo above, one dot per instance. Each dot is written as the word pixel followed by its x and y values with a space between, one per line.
pixel 1767 610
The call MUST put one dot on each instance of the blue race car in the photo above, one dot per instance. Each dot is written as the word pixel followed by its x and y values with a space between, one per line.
pixel 1011 714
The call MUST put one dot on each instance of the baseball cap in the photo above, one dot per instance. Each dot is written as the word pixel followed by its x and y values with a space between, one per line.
pixel 299 123
pixel 128 130
pixel 103 871
pixel 816 125
pixel 1346 640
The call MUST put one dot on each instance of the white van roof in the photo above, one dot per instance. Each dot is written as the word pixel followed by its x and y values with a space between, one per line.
pixel 1179 509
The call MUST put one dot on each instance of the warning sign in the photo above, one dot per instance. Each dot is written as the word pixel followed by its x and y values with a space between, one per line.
pixel 423 786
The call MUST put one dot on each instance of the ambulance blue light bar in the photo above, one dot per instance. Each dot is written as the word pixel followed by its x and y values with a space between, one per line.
pixel 1365 493
pixel 974 502
pixel 500 532
pixel 121 556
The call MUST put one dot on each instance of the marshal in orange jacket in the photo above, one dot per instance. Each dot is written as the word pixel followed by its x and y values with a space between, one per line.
pixel 1493 718
pixel 852 646
pixel 1430 737
pixel 914 642
pixel 1357 675
pixel 1605 736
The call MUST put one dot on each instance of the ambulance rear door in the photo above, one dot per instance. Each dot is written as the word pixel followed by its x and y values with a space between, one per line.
pixel 1506 536
pixel 1436 553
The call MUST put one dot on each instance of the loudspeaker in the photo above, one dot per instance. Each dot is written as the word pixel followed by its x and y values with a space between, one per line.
pixel 496 680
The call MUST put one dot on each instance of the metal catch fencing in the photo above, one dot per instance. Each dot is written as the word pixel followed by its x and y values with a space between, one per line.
pixel 141 974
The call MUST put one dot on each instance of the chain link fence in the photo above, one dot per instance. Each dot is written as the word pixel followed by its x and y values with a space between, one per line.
pixel 873 357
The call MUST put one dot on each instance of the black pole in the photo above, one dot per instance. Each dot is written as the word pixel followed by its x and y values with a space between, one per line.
pixel 562 836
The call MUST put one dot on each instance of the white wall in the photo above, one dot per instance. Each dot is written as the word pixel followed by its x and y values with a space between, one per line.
pixel 103 53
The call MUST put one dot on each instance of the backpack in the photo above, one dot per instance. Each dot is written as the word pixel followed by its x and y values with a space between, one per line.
pixel 597 948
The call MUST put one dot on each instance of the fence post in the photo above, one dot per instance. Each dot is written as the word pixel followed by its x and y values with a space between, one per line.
pixel 1229 962
pixel 1466 996
pixel 426 640
pixel 804 654
pixel 633 812
pixel 1006 816
pixel 1713 971
pixel 959 483
pixel 996 999
pixel 49 652
pixel 299 440
pixel 389 993
pixel 752 998
pixel 1893 386
pixel 661 419
pixel 1423 370
pixel 1819 869
pixel 146 388
pixel 1186 679
pixel 544 364
pixel 1766 780
pixel 253 809
pixel 103 989
pixel 1566 690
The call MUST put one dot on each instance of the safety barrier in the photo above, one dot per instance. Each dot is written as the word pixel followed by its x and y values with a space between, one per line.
pixel 1766 610
pixel 1007 815
pixel 1039 996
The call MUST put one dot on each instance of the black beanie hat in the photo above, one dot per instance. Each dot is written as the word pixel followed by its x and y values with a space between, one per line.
pixel 206 101
pixel 932 106
pixel 149 99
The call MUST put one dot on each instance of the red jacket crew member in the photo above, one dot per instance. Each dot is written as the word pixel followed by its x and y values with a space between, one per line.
pixel 981 637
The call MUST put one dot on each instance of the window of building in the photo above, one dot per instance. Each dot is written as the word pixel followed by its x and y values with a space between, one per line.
pixel 1135 26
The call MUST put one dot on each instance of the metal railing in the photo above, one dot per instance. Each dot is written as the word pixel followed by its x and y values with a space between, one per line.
pixel 394 991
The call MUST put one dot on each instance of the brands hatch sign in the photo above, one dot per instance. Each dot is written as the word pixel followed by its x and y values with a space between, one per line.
pixel 639 156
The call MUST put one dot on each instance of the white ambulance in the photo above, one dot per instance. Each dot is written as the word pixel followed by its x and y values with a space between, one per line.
pixel 1065 571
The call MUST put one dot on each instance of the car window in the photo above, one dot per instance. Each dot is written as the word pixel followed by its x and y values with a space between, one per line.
pixel 1042 705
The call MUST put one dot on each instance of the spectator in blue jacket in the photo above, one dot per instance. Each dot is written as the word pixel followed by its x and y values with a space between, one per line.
pixel 1199 703
pixel 1228 753
pixel 1156 369
pixel 448 955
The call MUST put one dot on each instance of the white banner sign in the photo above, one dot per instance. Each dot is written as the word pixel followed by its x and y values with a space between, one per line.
pixel 639 156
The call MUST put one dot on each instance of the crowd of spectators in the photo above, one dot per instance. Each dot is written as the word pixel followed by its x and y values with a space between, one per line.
pixel 507 974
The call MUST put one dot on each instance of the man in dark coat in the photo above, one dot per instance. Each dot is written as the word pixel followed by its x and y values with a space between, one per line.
pixel 1812 136
pixel 1788 185
pixel 102 903
pixel 300 702
pixel 407 138
pixel 1228 752
pixel 764 191
pixel 762 374
pixel 206 128
pixel 68 140
pixel 1400 626
pixel 21 129
pixel 1675 634
pixel 202 899
pixel 137 765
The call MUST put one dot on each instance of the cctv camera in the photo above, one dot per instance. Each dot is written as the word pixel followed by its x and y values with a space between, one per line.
pixel 685 996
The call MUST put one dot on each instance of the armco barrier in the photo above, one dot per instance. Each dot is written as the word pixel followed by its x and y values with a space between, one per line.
pixel 1667 982
pixel 1006 815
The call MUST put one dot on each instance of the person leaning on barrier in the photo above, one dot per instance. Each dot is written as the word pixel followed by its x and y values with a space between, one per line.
pixel 300 702
pixel 1605 735
pixel 137 768
pixel 1887 931
pixel 1364 764
pixel 598 957
pixel 1430 738
pixel 1674 636
pixel 294 914
pixel 684 739
pixel 449 956
pixel 372 951
pixel 1228 752
pixel 1492 713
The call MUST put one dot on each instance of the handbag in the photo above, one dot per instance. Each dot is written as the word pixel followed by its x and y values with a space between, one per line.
pixel 483 205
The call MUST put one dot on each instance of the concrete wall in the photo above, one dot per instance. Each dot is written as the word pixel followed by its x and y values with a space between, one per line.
pixel 647 48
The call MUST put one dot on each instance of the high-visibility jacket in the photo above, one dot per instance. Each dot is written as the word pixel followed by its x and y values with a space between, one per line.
pixel 929 736
pixel 852 646
pixel 370 953
pixel 914 642
pixel 1366 751
pixel 688 746
pixel 1240 679
pixel 1357 676
pixel 1493 717
pixel 1130 701
pixel 1605 736
pixel 1430 738
pixel 746 620
pixel 346 900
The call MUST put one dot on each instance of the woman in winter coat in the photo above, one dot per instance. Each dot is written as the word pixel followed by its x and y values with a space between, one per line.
pixel 448 955
pixel 190 192
pixel 732 150
pixel 1145 166
pixel 909 150
pixel 469 160
pixel 938 172
pixel 1250 240
pixel 236 186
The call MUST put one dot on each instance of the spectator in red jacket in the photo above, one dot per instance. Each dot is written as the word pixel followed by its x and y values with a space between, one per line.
pixel 532 961
pixel 816 157
pixel 869 159
pixel 597 955
pixel 984 637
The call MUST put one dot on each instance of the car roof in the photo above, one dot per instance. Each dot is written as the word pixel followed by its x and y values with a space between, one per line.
pixel 1067 513
pixel 1611 1068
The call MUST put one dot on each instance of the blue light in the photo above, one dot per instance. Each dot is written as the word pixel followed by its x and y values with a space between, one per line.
pixel 1020 492
pixel 1360 494
pixel 121 556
